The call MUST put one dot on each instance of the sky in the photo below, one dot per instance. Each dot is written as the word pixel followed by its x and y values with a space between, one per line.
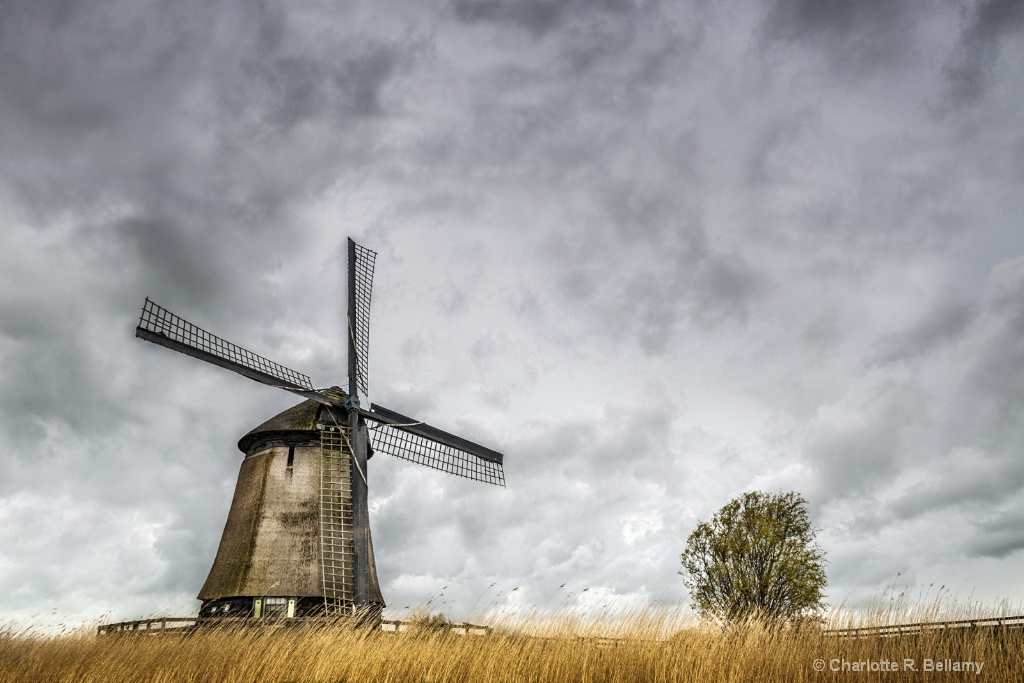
pixel 657 253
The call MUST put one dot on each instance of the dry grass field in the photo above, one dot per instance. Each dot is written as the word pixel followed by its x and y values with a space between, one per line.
pixel 644 647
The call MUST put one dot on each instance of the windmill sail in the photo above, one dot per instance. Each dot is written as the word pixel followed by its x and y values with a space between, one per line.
pixel 160 326
pixel 414 441
pixel 360 282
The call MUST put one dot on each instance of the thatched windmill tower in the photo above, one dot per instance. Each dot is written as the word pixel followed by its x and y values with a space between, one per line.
pixel 297 538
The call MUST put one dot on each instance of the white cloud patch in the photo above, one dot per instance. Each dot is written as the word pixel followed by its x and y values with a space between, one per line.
pixel 639 526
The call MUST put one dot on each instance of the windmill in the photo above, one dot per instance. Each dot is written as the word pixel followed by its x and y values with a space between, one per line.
pixel 297 539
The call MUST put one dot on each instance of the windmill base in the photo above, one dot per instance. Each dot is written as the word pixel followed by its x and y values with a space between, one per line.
pixel 272 608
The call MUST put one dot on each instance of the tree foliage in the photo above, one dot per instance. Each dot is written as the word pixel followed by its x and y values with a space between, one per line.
pixel 434 622
pixel 756 559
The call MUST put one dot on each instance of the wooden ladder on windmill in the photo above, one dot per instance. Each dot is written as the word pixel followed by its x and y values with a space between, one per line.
pixel 336 538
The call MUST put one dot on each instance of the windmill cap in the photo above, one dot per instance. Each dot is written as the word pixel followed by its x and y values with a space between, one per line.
pixel 297 423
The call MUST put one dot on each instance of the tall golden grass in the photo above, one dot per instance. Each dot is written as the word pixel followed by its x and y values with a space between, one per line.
pixel 645 646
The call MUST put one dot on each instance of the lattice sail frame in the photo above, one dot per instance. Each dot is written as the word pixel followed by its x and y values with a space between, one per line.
pixel 336 533
pixel 399 443
pixel 184 336
pixel 363 261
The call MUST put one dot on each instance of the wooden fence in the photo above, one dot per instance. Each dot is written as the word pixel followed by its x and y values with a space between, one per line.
pixel 166 625
pixel 892 630
pixel 179 625
pixel 149 626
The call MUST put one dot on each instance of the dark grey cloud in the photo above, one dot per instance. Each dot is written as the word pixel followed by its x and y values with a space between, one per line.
pixel 547 102
pixel 177 154
pixel 860 214
pixel 989 24
pixel 536 16
pixel 863 446
pixel 650 286
pixel 855 38
pixel 798 18
pixel 999 535
pixel 958 480
pixel 939 443
pixel 942 324
pixel 763 167
pixel 157 111
pixel 990 395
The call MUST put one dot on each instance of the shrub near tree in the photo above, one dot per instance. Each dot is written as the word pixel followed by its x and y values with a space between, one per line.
pixel 756 560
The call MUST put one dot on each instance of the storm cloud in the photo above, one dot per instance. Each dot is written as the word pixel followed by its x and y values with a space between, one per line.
pixel 657 253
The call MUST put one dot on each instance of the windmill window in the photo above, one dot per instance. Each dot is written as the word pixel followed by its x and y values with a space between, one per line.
pixel 291 456
pixel 275 607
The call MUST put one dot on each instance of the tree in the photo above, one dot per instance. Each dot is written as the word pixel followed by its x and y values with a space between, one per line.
pixel 431 622
pixel 756 559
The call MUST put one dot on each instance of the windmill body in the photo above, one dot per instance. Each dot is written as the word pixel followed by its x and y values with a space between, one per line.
pixel 297 539
pixel 272 560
